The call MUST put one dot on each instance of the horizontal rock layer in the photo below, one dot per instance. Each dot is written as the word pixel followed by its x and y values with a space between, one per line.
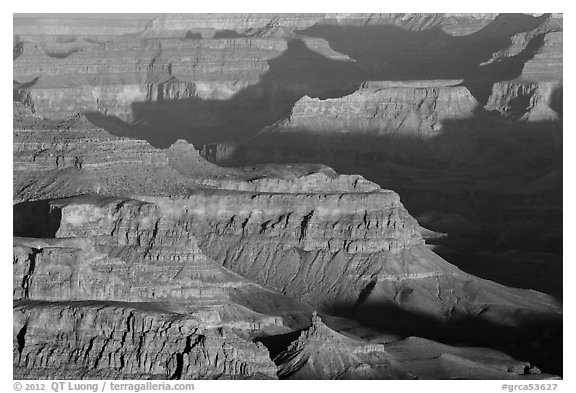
pixel 127 341
pixel 110 77
pixel 150 263
pixel 402 110
pixel 322 353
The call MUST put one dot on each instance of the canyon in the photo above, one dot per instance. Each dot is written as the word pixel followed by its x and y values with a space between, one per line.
pixel 288 196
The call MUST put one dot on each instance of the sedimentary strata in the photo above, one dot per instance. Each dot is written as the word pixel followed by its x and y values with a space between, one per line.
pixel 136 257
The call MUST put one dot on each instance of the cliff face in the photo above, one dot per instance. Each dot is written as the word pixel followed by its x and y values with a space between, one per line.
pixel 326 239
pixel 322 353
pixel 75 28
pixel 442 151
pixel 131 298
pixel 377 111
pixel 545 41
pixel 230 250
pixel 526 101
pixel 250 60
pixel 127 341
pixel 155 263
pixel 110 77
pixel 209 25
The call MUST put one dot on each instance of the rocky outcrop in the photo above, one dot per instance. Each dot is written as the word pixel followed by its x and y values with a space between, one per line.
pixel 535 94
pixel 110 286
pixel 379 111
pixel 322 353
pixel 59 162
pixel 111 340
pixel 526 101
pixel 379 121
pixel 59 149
pixel 339 243
pixel 214 25
pixel 155 263
pixel 321 237
pixel 545 43
pixel 326 248
pixel 75 28
pixel 109 77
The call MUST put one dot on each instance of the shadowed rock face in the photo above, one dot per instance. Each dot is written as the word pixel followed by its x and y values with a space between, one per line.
pixel 441 151
pixel 322 353
pixel 150 262
pixel 217 89
pixel 336 243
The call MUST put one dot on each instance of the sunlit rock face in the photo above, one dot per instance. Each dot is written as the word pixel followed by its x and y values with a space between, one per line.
pixel 168 60
pixel 222 25
pixel 460 114
pixel 127 341
pixel 136 255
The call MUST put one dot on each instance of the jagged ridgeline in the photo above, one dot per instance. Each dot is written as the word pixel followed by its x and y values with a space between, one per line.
pixel 300 196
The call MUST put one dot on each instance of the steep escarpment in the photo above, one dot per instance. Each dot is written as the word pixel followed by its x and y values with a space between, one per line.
pixel 339 250
pixel 78 29
pixel 55 163
pixel 113 279
pixel 356 253
pixel 396 120
pixel 222 25
pixel 537 92
pixel 322 353
pixel 110 249
pixel 135 257
pixel 425 46
pixel 401 121
pixel 221 253
pixel 442 151
pixel 333 241
pixel 378 111
pixel 110 77
pixel 207 87
pixel 527 101
pixel 545 40
pixel 108 340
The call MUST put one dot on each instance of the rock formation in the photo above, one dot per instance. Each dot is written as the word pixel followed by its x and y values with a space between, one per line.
pixel 322 353
pixel 481 141
pixel 147 259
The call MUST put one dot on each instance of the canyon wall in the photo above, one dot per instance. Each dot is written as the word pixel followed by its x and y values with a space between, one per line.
pixel 146 260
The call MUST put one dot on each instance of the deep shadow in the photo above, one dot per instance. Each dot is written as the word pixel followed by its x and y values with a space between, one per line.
pixel 37 219
pixel 391 53
pixel 62 55
pixel 297 72
pixel 504 177
pixel 539 342
pixel 379 52
pixel 557 100
pixel 507 68
pixel 17 47
pixel 92 40
pixel 192 36
pixel 228 34
pixel 19 89
pixel 278 343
